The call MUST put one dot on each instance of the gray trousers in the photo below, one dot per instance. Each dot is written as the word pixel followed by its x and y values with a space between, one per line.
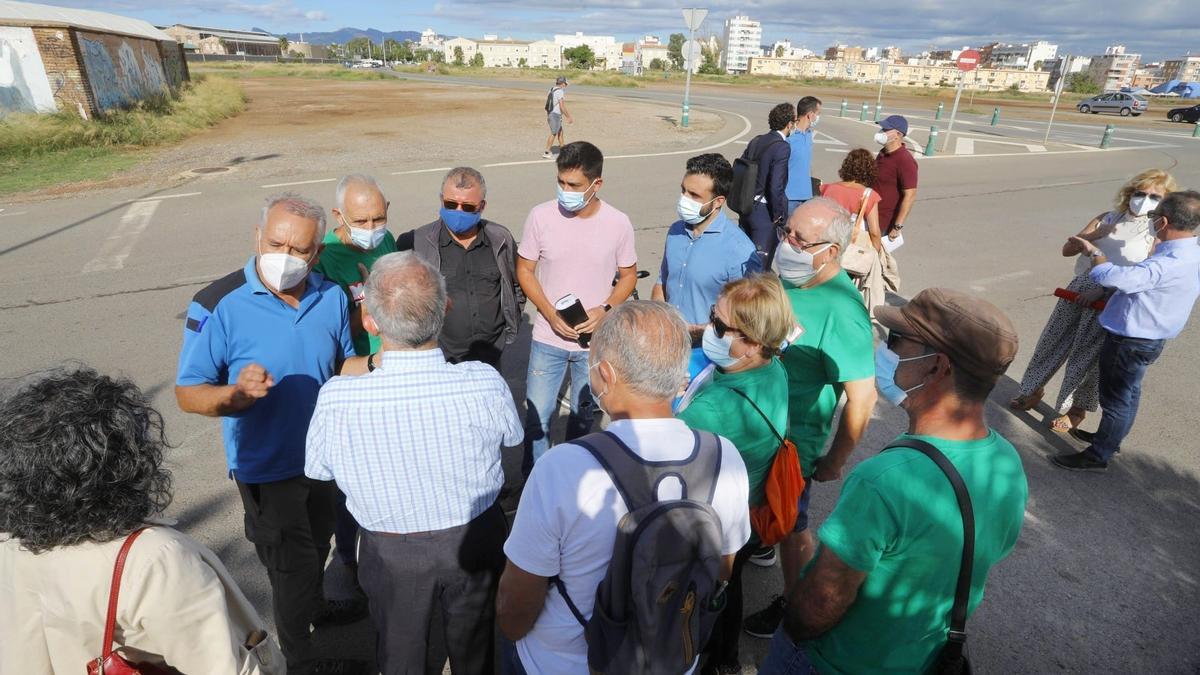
pixel 406 575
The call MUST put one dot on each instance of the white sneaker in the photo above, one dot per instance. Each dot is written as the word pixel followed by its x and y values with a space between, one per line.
pixel 547 155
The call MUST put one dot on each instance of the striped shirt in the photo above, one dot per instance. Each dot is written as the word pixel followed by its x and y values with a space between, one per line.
pixel 415 445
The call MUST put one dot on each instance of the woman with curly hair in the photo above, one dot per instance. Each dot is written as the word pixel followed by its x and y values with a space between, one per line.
pixel 81 467
pixel 1073 335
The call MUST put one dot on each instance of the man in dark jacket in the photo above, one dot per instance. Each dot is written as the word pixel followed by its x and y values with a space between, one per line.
pixel 478 259
pixel 770 190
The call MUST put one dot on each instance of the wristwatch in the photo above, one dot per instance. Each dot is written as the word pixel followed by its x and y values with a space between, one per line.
pixel 607 307
pixel 897 226
pixel 1096 253
pixel 371 362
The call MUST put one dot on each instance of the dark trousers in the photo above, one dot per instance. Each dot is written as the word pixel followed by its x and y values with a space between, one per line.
pixel 722 647
pixel 483 352
pixel 458 569
pixel 290 523
pixel 1123 364
pixel 345 532
pixel 761 230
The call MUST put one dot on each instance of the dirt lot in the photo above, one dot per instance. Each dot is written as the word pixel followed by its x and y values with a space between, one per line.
pixel 296 126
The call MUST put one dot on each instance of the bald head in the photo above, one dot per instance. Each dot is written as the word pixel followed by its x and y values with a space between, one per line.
pixel 406 296
pixel 360 202
pixel 822 219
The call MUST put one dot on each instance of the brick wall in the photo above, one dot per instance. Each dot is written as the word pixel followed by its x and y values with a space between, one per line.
pixel 67 80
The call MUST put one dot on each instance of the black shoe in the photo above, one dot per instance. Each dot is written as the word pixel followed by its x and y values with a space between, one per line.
pixel 340 612
pixel 723 669
pixel 763 624
pixel 339 667
pixel 763 556
pixel 1080 461
pixel 1088 437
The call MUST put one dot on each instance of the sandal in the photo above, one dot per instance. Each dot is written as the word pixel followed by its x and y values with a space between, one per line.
pixel 1027 401
pixel 1063 424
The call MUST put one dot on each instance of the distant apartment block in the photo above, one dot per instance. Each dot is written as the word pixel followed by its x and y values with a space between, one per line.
pixel 783 49
pixel 1022 56
pixel 900 74
pixel 606 48
pixel 841 52
pixel 1186 69
pixel 1113 69
pixel 1065 66
pixel 499 53
pixel 743 41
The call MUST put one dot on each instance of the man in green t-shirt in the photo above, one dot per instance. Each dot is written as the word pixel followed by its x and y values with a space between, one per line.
pixel 878 596
pixel 832 356
pixel 359 238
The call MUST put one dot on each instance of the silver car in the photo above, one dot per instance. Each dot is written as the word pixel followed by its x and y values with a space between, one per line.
pixel 1117 102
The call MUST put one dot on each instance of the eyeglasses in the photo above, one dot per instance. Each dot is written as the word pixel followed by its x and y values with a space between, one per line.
pixel 457 206
pixel 719 326
pixel 1143 193
pixel 797 243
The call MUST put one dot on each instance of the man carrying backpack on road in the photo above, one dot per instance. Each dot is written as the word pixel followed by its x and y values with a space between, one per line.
pixel 555 112
pixel 760 181
pixel 664 504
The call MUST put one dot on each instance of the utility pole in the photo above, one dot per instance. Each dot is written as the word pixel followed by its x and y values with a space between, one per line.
pixel 693 17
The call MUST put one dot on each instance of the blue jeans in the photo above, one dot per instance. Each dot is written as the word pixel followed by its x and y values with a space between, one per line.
pixel 510 661
pixel 785 657
pixel 547 366
pixel 1123 364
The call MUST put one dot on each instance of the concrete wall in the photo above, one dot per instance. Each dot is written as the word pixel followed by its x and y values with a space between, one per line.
pixel 121 70
pixel 24 85
pixel 174 65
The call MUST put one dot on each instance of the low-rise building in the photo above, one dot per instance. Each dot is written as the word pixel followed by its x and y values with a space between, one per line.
pixel 650 48
pixel 506 53
pixel 902 75
pixel 605 48
pixel 307 50
pixel 841 52
pixel 224 41
pixel 1026 56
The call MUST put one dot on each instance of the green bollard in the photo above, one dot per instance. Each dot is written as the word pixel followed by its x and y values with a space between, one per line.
pixel 878 110
pixel 938 114
pixel 931 146
pixel 995 116
pixel 862 116
pixel 1107 138
pixel 1196 130
pixel 843 111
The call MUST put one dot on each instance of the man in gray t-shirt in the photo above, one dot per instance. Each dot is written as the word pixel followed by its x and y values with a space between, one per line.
pixel 555 115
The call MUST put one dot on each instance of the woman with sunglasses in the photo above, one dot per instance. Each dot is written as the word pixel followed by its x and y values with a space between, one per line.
pixel 1073 335
pixel 746 401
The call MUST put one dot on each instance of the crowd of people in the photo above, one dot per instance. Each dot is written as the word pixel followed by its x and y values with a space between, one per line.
pixel 356 376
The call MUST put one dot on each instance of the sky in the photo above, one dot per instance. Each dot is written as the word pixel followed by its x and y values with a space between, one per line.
pixel 1157 29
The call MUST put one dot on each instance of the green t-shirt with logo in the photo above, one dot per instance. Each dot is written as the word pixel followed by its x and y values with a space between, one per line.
pixel 837 346
pixel 898 521
pixel 339 264
pixel 719 409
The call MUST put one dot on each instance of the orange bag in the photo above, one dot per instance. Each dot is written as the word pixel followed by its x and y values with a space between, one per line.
pixel 776 516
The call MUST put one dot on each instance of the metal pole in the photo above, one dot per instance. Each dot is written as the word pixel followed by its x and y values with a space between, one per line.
pixel 1107 137
pixel 954 111
pixel 1057 95
pixel 882 79
pixel 687 83
pixel 931 146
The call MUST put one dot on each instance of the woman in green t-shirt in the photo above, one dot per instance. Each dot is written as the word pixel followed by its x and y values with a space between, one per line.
pixel 747 388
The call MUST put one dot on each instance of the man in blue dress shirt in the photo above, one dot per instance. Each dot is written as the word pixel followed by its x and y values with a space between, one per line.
pixel 704 249
pixel 1152 303
pixel 799 174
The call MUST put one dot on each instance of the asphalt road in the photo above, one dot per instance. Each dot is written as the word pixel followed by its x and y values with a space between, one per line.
pixel 1106 575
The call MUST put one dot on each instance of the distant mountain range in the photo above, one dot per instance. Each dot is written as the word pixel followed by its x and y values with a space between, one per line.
pixel 344 35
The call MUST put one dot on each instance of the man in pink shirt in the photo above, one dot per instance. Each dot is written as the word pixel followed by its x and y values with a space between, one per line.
pixel 573 245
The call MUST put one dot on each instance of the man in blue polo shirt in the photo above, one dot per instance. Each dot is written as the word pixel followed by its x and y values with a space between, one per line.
pixel 799 186
pixel 704 249
pixel 257 346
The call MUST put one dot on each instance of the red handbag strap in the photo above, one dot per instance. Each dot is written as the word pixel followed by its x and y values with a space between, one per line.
pixel 110 621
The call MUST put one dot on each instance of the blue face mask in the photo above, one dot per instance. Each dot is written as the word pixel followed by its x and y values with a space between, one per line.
pixel 574 201
pixel 717 349
pixel 459 221
pixel 886 363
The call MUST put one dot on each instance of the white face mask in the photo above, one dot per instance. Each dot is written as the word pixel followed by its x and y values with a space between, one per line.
pixel 1140 206
pixel 282 271
pixel 367 239
pixel 816 120
pixel 795 266
pixel 881 137
pixel 690 211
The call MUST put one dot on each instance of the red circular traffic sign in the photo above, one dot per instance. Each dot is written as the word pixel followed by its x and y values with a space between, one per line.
pixel 968 60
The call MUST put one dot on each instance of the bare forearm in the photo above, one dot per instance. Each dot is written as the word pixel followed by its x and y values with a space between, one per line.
pixel 658 294
pixel 816 610
pixel 855 416
pixel 624 288
pixel 211 400
pixel 533 292
pixel 906 204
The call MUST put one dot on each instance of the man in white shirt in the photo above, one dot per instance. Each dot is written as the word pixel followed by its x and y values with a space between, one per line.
pixel 567 520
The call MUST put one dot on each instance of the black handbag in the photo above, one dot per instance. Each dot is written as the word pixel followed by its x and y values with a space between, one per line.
pixel 953 659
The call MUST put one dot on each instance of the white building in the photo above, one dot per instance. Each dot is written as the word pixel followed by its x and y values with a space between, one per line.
pixel 1113 69
pixel 783 49
pixel 605 47
pixel 544 54
pixel 430 39
pixel 743 41
pixel 650 48
pixel 1023 56
pixel 499 53
pixel 1065 66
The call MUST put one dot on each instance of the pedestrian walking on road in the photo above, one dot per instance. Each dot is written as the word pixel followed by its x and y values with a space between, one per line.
pixel 415 445
pixel 799 176
pixel 556 111
pixel 1151 304
pixel 770 151
pixel 896 181
pixel 896 537
pixel 257 346
pixel 1073 336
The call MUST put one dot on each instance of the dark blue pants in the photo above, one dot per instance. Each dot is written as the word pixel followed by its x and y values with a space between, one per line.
pixel 1123 364
pixel 345 532
pixel 761 230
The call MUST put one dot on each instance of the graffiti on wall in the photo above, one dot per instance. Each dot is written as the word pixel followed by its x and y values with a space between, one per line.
pixel 122 71
pixel 23 83
pixel 172 55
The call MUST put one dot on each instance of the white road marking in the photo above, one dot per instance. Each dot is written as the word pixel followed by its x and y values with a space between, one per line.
pixel 742 142
pixel 980 285
pixel 16 213
pixel 966 146
pixel 118 245
pixel 832 141
pixel 439 169
pixel 155 199
pixel 299 182
pixel 1048 153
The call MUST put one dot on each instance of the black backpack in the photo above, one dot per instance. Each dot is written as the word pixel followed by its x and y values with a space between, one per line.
pixel 550 99
pixel 661 596
pixel 745 173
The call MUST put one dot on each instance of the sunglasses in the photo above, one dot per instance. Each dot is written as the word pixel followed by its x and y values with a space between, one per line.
pixel 719 326
pixel 1143 193
pixel 452 205
pixel 894 337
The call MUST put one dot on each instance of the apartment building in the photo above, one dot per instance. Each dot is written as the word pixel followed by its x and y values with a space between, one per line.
pixel 499 53
pixel 1029 56
pixel 605 47
pixel 743 41
pixel 1114 68
pixel 901 74
pixel 1186 69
